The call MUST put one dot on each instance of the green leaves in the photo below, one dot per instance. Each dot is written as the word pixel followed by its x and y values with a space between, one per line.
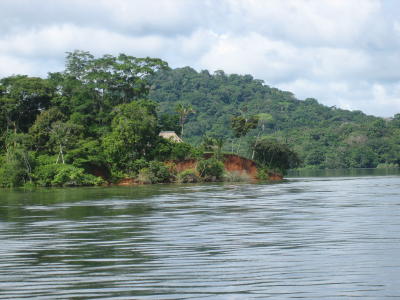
pixel 275 155
pixel 241 125
pixel 21 99
pixel 134 133
pixel 184 110
pixel 210 169
pixel 64 175
pixel 120 78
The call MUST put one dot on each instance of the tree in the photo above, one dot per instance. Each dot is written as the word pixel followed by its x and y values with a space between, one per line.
pixel 21 100
pixel 169 122
pixel 42 127
pixel 213 144
pixel 16 164
pixel 133 136
pixel 275 155
pixel 62 134
pixel 121 78
pixel 90 87
pixel 184 110
pixel 241 126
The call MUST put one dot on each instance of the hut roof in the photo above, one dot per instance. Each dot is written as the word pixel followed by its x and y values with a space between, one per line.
pixel 170 135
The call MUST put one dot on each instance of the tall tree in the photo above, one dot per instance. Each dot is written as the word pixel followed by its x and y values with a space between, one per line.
pixel 62 135
pixel 96 85
pixel 184 110
pixel 21 99
pixel 134 134
pixel 241 126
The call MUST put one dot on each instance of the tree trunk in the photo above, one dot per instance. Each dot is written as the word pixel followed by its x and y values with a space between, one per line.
pixel 60 153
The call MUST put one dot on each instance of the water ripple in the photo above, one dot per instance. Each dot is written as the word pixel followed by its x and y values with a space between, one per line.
pixel 319 238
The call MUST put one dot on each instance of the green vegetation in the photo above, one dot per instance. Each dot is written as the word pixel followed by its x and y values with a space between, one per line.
pixel 275 156
pixel 210 169
pixel 323 137
pixel 188 176
pixel 102 116
pixel 94 118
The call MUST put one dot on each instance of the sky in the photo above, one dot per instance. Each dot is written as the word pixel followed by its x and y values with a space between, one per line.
pixel 344 53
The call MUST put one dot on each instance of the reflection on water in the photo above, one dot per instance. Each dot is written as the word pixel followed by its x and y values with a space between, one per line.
pixel 321 238
pixel 343 172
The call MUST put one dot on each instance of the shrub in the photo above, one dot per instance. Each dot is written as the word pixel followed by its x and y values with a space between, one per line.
pixel 160 171
pixel 64 175
pixel 145 176
pixel 163 149
pixel 182 151
pixel 169 150
pixel 12 174
pixel 136 165
pixel 15 168
pixel 156 172
pixel 131 169
pixel 188 176
pixel 210 169
pixel 262 173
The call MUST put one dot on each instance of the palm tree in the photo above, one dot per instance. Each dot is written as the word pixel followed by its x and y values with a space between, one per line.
pixel 184 110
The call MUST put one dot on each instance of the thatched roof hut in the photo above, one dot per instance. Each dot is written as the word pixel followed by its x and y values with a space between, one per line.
pixel 170 135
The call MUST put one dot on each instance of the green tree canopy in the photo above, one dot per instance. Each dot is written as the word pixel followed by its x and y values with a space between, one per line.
pixel 275 155
pixel 134 133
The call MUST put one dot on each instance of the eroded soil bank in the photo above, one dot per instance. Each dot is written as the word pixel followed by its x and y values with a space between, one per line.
pixel 232 163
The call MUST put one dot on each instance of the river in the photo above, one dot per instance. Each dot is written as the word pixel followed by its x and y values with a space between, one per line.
pixel 325 237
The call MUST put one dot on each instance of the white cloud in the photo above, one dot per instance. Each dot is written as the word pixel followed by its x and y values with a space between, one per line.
pixel 254 54
pixel 342 52
pixel 323 22
pixel 13 66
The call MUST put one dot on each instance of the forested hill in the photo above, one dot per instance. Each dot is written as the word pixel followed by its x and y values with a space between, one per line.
pixel 324 137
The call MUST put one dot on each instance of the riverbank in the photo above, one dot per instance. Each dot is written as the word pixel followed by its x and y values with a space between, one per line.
pixel 235 167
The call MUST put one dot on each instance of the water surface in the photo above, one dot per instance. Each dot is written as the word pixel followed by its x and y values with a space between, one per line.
pixel 311 238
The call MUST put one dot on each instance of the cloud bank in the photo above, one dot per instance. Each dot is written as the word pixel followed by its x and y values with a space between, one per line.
pixel 341 52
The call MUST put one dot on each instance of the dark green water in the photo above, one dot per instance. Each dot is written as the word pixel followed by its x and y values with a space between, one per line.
pixel 311 238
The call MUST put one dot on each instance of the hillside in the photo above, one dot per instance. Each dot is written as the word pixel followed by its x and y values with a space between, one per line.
pixel 324 137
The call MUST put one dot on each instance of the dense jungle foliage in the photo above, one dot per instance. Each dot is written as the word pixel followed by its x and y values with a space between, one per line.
pixel 323 137
pixel 100 119
pixel 93 123
pixel 92 119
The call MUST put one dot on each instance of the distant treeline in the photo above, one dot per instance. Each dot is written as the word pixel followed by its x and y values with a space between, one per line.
pixel 323 137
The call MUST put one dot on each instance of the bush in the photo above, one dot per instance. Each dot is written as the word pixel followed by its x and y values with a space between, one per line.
pixel 182 151
pixel 156 172
pixel 210 169
pixel 64 175
pixel 15 168
pixel 262 173
pixel 131 169
pixel 169 150
pixel 188 176
pixel 135 166
pixel 12 174
pixel 145 176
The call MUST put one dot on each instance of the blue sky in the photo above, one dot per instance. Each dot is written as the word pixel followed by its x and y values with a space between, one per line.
pixel 341 52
